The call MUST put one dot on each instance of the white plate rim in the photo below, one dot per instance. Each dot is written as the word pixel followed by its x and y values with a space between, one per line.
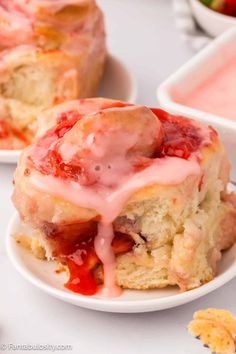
pixel 11 156
pixel 114 305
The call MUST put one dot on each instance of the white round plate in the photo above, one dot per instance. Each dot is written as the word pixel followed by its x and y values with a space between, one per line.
pixel 42 275
pixel 117 83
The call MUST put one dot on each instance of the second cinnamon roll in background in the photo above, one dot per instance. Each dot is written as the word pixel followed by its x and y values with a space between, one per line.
pixel 50 52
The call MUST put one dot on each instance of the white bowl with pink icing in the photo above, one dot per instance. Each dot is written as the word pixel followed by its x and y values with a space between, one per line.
pixel 205 89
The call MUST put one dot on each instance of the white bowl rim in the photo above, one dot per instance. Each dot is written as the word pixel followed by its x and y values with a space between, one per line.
pixel 163 95
pixel 216 14
pixel 132 97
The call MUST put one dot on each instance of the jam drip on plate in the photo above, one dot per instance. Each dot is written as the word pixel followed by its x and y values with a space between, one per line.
pixel 82 261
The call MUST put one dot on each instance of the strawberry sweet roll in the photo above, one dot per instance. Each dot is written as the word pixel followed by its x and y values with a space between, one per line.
pixel 125 196
pixel 50 52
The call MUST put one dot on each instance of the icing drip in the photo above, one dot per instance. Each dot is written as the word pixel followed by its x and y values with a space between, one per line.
pixel 105 253
pixel 98 161
pixel 108 202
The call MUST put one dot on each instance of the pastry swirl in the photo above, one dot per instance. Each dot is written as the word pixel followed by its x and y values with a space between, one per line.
pixel 126 196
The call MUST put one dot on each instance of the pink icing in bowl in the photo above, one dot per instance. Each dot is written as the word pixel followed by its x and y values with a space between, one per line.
pixel 212 104
pixel 217 94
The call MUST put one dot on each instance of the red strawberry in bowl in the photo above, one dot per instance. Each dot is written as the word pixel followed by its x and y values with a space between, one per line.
pixel 226 7
pixel 229 7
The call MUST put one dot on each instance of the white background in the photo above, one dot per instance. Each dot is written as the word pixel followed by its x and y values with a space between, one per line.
pixel 143 35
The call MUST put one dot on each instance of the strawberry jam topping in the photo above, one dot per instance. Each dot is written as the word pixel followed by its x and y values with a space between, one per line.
pixel 47 160
pixel 81 259
pixel 74 244
pixel 4 130
pixel 228 7
pixel 81 263
pixel 181 139
pixel 45 156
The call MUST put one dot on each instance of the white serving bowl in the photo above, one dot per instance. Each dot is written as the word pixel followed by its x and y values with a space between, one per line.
pixel 212 22
pixel 190 76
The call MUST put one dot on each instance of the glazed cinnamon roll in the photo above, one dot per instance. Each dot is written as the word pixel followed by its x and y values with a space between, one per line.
pixel 125 197
pixel 50 52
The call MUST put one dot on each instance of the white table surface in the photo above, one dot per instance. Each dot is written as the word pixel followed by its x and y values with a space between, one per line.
pixel 142 33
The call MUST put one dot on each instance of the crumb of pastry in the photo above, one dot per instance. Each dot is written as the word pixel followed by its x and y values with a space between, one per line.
pixel 32 244
pixel 216 328
pixel 61 268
